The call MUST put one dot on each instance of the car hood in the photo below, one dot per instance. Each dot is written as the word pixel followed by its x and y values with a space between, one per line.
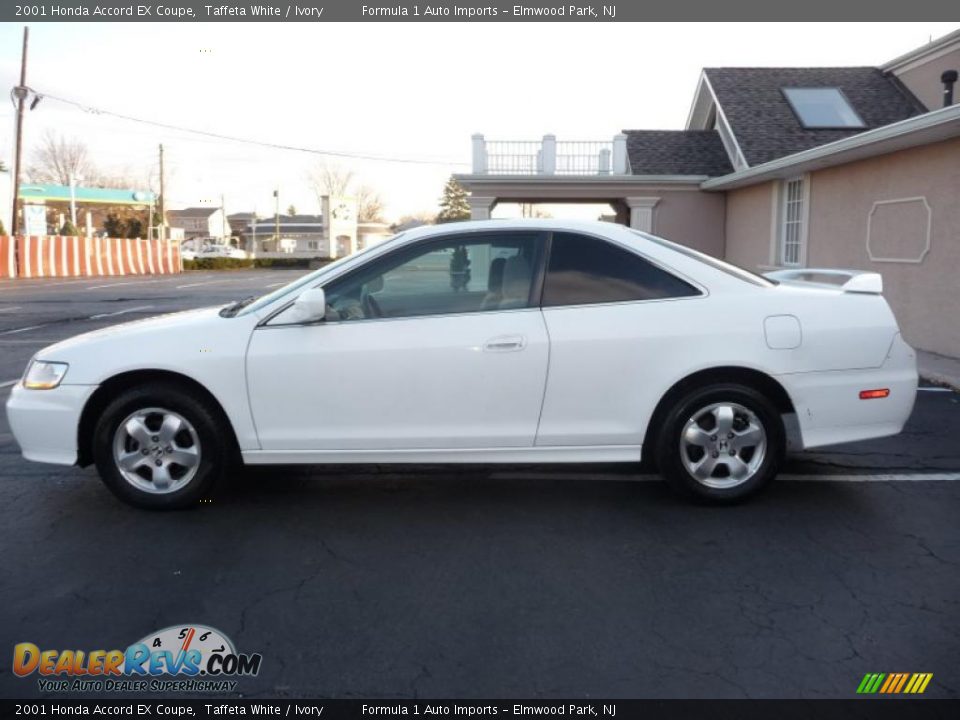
pixel 128 331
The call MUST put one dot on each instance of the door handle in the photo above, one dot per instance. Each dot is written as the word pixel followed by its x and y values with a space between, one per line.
pixel 505 343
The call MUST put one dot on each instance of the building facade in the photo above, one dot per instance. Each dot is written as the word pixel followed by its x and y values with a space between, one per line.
pixel 855 167
pixel 201 222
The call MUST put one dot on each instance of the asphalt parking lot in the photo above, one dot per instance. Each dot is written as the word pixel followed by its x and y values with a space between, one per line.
pixel 488 581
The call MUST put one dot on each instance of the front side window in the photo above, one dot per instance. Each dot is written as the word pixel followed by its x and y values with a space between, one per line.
pixel 462 274
pixel 585 270
pixel 792 218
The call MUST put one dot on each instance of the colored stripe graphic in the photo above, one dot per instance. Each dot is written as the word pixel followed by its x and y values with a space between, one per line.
pixel 894 683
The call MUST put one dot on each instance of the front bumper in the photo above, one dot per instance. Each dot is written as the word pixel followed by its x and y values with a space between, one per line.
pixel 828 404
pixel 45 422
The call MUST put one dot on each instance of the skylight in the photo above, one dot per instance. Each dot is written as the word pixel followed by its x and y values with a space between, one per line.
pixel 822 107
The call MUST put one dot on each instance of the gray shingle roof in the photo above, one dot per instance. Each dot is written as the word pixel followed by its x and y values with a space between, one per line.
pixel 676 152
pixel 766 127
pixel 194 212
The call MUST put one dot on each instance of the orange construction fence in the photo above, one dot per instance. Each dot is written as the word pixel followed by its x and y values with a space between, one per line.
pixel 37 256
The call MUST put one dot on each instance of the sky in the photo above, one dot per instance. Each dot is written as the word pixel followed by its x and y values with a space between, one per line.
pixel 398 90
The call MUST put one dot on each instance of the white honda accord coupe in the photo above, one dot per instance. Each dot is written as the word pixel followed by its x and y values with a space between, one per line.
pixel 528 341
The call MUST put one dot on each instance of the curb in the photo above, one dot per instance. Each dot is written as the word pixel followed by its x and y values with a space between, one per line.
pixel 940 379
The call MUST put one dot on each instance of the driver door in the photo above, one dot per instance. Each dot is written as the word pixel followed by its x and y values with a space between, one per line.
pixel 439 345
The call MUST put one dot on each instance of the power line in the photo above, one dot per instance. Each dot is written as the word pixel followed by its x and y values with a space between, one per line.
pixel 247 141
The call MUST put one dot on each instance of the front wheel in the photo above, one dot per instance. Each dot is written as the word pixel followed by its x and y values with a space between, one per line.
pixel 721 443
pixel 158 447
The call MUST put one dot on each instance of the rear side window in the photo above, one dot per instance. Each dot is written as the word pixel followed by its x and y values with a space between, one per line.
pixel 585 270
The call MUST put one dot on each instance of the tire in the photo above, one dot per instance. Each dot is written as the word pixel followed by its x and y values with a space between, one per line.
pixel 172 447
pixel 721 443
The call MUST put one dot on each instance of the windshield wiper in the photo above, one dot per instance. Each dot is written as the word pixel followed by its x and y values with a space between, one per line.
pixel 233 308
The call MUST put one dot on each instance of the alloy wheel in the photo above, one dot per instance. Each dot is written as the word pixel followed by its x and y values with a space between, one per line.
pixel 723 445
pixel 156 450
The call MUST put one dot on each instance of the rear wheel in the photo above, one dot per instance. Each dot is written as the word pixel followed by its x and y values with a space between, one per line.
pixel 158 447
pixel 721 443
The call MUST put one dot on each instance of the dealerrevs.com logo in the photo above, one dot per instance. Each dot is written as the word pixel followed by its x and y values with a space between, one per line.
pixel 180 658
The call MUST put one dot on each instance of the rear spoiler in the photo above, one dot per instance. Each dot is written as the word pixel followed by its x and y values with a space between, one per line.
pixel 854 281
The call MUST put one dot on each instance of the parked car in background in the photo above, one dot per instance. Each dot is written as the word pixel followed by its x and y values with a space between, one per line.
pixel 221 250
pixel 495 341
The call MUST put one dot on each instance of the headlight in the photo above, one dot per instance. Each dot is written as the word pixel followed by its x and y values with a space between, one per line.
pixel 44 375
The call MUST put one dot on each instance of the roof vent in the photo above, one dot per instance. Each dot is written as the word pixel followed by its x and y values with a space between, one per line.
pixel 948 78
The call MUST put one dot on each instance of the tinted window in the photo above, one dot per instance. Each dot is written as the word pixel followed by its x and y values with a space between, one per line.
pixel 461 274
pixel 585 270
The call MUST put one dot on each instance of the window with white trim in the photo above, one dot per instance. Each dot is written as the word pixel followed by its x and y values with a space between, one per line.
pixel 792 218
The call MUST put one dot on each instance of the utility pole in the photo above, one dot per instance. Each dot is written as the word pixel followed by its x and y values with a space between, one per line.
pixel 163 200
pixel 276 220
pixel 223 221
pixel 21 94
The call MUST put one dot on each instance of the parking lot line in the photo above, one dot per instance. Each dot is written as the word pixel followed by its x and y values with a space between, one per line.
pixel 207 282
pixel 10 309
pixel 882 477
pixel 788 477
pixel 120 312
pixel 20 330
pixel 117 284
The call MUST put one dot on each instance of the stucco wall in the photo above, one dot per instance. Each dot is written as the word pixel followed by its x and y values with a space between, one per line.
pixel 923 295
pixel 924 81
pixel 748 226
pixel 692 218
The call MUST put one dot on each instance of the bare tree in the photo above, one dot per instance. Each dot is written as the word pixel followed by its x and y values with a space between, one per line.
pixel 56 158
pixel 330 179
pixel 414 220
pixel 117 181
pixel 369 204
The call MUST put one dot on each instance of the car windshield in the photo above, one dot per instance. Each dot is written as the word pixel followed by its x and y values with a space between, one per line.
pixel 735 270
pixel 291 288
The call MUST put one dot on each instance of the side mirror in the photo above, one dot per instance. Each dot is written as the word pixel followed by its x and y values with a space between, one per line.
pixel 310 305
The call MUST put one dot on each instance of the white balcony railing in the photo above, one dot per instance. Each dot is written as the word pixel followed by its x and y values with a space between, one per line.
pixel 550 157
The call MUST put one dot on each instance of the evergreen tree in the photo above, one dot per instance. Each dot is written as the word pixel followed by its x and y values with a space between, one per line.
pixel 453 204
pixel 68 229
pixel 3 230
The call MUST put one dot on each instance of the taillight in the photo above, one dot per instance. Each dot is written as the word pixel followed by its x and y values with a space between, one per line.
pixel 873 394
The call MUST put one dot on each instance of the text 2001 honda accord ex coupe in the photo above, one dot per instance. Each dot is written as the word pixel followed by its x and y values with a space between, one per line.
pixel 496 341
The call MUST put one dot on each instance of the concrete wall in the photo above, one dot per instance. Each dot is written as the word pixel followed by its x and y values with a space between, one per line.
pixel 749 226
pixel 924 80
pixel 692 218
pixel 846 199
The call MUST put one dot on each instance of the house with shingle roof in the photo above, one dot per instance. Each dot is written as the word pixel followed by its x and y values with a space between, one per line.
pixel 200 223
pixel 854 167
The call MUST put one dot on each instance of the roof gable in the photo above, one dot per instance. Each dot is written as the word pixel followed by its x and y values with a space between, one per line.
pixel 765 125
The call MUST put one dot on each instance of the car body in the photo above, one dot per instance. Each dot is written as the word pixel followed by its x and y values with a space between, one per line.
pixel 493 341
pixel 221 250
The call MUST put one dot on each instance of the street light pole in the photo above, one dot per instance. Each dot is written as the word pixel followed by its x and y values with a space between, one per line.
pixel 21 94
pixel 163 200
pixel 73 197
pixel 276 221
